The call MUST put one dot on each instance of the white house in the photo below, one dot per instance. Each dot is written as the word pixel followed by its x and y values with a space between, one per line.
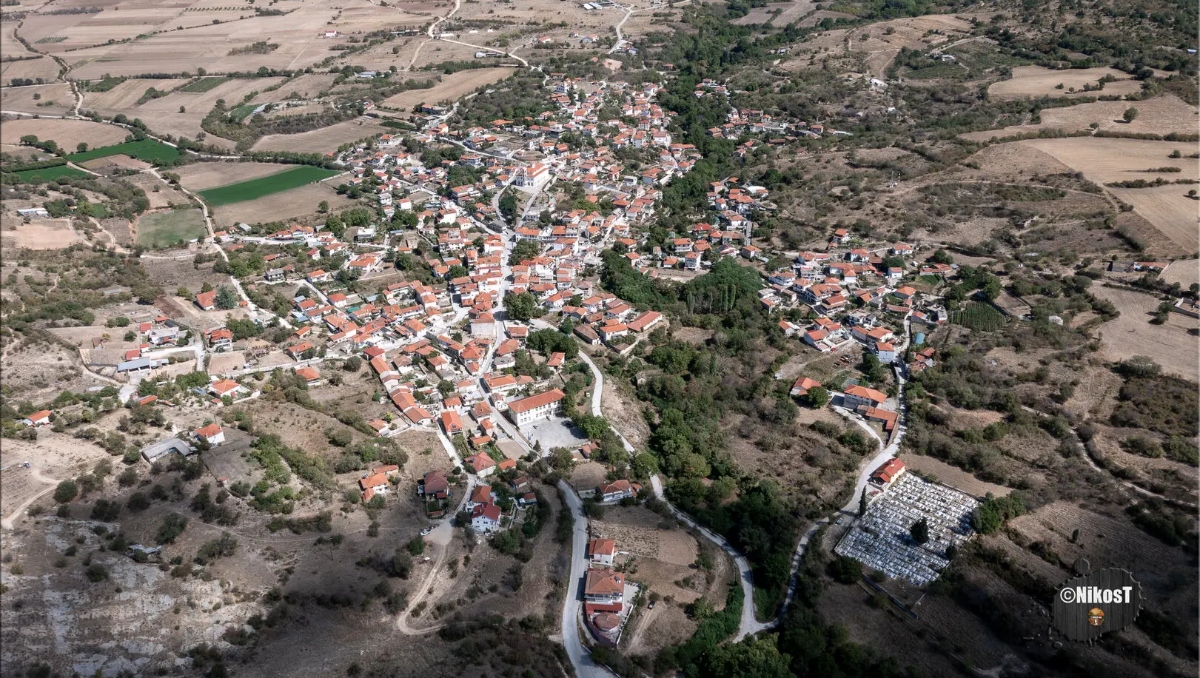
pixel 485 518
pixel 211 434
pixel 534 408
pixel 601 551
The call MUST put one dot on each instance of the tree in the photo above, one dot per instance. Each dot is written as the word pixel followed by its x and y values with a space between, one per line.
pixel 941 257
pixel 352 364
pixel 920 531
pixel 226 298
pixel 817 397
pixel 523 306
pixel 1131 114
pixel 845 570
pixel 862 503
pixel 81 147
pixel 66 491
pixel 524 251
pixel 323 206
pixel 747 659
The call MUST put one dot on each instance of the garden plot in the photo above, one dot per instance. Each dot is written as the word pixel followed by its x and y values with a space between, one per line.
pixel 881 540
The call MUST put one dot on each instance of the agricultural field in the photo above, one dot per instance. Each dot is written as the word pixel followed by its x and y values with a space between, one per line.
pixel 298 202
pixel 50 173
pixel 199 176
pixel 1036 81
pixel 324 140
pixel 123 97
pixel 68 134
pixel 181 112
pixel 1105 160
pixel 30 69
pixel 451 88
pixel 258 188
pixel 147 149
pixel 1163 114
pixel 1171 344
pixel 170 227
pixel 55 99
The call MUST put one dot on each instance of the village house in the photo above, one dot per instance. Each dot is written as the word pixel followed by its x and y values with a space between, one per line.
pixel 211 434
pixel 535 408
pixel 617 490
pixel 602 551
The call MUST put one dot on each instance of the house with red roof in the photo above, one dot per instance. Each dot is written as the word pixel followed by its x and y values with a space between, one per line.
pixel 211 434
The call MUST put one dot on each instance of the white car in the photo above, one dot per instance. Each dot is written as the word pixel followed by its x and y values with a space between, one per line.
pixel 426 531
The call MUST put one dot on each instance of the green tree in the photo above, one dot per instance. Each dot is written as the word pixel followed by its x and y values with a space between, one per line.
pixel 1131 114
pixel 920 531
pixel 81 147
pixel 817 397
pixel 66 491
pixel 862 503
pixel 524 251
pixel 523 306
pixel 226 298
pixel 748 659
pixel 845 570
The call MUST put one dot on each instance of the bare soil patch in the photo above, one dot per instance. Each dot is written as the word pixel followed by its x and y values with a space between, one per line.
pixel 791 12
pixel 880 48
pixel 43 234
pixel 43 67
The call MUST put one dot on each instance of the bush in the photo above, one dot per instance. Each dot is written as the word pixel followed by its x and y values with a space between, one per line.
pixel 96 572
pixel 66 491
pixel 172 526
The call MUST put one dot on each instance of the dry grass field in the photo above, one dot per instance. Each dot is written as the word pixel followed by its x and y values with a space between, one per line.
pixel 203 44
pixel 163 114
pixel 880 48
pixel 1163 114
pixel 55 99
pixel 451 88
pixel 1036 81
pixel 1104 160
pixel 291 204
pixel 9 45
pixel 66 133
pixel 43 234
pixel 123 98
pixel 952 476
pixel 792 11
pixel 201 175
pixel 1186 273
pixel 324 140
pixel 1131 334
pixel 44 68
pixel 159 193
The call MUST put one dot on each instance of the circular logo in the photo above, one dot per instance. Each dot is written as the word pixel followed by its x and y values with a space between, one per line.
pixel 1095 616
pixel 1067 595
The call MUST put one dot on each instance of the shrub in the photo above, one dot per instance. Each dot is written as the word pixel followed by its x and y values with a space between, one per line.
pixel 66 491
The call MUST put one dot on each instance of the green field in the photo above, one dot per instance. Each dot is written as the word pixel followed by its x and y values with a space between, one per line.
pixel 165 229
pixel 204 84
pixel 148 150
pixel 257 188
pixel 240 112
pixel 50 173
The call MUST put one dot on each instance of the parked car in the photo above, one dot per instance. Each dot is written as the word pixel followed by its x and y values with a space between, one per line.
pixel 426 531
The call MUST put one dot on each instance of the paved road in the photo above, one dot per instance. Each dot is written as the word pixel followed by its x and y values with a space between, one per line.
pixel 580 658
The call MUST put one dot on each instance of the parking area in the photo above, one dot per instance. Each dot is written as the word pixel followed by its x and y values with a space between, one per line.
pixel 881 540
pixel 554 432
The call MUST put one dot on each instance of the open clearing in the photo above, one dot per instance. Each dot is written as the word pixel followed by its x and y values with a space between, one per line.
pixel 164 117
pixel 324 140
pixel 56 99
pixel 170 227
pixel 67 134
pixel 787 13
pixel 1104 160
pixel 202 175
pixel 1165 114
pixel 452 87
pixel 44 234
pixel 880 48
pixel 50 173
pixel 258 188
pixel 1036 81
pixel 123 97
pixel 1184 272
pixel 952 476
pixel 291 204
pixel 1131 334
